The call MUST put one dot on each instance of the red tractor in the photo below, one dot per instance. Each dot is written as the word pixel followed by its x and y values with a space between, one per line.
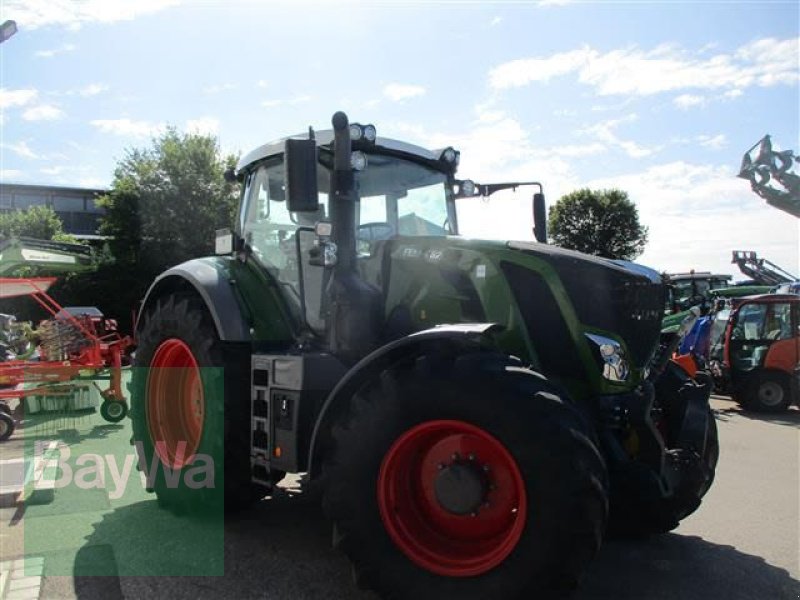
pixel 761 358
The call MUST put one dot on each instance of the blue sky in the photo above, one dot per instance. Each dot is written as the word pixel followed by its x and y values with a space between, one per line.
pixel 658 98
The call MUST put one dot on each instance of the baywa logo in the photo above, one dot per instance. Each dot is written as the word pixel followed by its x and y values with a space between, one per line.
pixel 97 471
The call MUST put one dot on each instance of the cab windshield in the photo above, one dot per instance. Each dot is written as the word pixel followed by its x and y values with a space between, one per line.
pixel 399 197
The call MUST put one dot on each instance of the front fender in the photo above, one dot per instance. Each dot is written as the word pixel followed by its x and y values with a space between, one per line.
pixel 464 336
pixel 212 281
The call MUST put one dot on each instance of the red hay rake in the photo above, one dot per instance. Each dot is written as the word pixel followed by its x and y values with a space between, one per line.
pixel 72 346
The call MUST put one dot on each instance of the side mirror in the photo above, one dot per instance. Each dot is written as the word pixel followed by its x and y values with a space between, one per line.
pixel 539 218
pixel 223 244
pixel 300 163
pixel 230 175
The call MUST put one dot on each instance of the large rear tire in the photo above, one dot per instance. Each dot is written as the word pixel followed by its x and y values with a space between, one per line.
pixel 465 478
pixel 190 395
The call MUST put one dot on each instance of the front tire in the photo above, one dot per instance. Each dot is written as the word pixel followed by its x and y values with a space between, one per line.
pixel 460 478
pixel 639 507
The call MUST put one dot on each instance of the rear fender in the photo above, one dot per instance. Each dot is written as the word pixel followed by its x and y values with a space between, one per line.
pixel 460 337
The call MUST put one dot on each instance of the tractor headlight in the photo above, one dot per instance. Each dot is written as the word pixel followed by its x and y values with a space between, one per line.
pixel 356 132
pixel 358 160
pixel 611 357
pixel 359 132
pixel 450 156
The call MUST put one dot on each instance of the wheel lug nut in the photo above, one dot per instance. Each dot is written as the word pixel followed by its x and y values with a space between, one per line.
pixel 471 457
pixel 455 456
pixel 473 514
pixel 440 466
pixel 486 468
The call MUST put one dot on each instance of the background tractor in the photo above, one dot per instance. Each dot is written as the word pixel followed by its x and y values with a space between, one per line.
pixel 760 358
pixel 701 288
pixel 469 409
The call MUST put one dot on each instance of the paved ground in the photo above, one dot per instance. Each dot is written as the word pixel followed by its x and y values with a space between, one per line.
pixel 742 544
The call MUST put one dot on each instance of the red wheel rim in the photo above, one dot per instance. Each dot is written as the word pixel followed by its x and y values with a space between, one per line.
pixel 175 403
pixel 429 533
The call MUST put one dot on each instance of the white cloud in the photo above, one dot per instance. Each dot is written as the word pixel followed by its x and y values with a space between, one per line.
pixel 6 174
pixel 10 98
pixel 735 93
pixel 203 125
pixel 43 112
pixel 261 83
pixel 714 142
pixel 300 99
pixel 495 21
pixel 520 72
pixel 554 2
pixel 501 150
pixel 605 132
pixel 92 89
pixel 633 71
pixel 271 103
pixel 579 150
pixel 399 91
pixel 32 14
pixel 220 87
pixel 490 116
pixel 52 170
pixel 129 128
pixel 687 101
pixel 55 51
pixel 698 214
pixel 21 149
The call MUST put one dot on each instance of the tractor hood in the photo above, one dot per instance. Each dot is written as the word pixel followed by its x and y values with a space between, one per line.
pixel 571 255
pixel 622 298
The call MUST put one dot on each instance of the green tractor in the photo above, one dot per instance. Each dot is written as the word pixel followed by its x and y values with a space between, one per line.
pixel 475 414
pixel 699 288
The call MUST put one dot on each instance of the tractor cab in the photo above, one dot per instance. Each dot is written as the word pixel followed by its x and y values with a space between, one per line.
pixel 762 351
pixel 339 238
pixel 691 289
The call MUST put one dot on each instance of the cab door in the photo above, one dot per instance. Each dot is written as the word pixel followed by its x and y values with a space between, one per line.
pixel 784 352
pixel 763 335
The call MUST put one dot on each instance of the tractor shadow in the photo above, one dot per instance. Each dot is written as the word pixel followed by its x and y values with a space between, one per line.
pixel 683 566
pixel 789 418
pixel 281 548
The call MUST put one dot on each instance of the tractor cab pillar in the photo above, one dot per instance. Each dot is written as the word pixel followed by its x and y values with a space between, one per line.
pixel 353 316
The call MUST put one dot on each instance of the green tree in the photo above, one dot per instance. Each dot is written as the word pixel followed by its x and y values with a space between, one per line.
pixel 599 222
pixel 166 201
pixel 39 222
pixel 164 205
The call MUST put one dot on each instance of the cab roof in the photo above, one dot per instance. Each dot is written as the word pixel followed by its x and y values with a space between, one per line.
pixel 768 298
pixel 325 138
pixel 698 275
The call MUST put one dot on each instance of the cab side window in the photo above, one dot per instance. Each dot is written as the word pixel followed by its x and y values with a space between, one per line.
pixel 267 223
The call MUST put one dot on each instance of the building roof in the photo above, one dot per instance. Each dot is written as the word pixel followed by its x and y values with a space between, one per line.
pixel 27 187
